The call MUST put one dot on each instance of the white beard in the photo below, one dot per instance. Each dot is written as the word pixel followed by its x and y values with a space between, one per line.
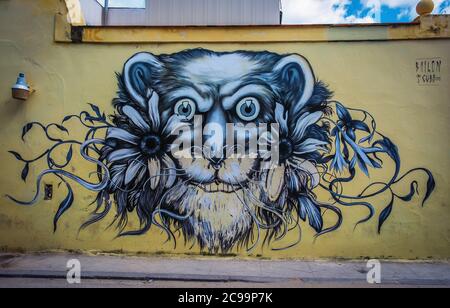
pixel 218 220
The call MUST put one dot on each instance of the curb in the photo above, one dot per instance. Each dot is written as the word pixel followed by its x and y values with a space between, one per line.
pixel 132 276
pixel 141 276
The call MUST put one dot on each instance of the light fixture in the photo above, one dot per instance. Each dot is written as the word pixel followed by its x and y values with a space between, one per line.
pixel 21 90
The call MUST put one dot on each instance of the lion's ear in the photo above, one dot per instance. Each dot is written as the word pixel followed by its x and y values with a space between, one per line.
pixel 296 80
pixel 139 73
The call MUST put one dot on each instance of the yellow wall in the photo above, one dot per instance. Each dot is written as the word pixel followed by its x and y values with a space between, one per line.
pixel 378 76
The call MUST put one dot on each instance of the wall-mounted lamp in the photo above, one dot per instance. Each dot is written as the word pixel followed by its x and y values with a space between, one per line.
pixel 21 90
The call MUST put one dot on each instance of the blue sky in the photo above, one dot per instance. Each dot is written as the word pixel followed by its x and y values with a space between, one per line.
pixel 354 11
pixel 337 11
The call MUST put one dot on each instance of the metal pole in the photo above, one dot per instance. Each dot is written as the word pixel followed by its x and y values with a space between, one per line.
pixel 105 13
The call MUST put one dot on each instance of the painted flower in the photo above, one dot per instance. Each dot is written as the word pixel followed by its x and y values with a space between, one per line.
pixel 295 145
pixel 345 138
pixel 137 148
pixel 298 142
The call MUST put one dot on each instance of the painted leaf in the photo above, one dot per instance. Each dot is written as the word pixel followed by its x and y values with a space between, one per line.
pixel 351 133
pixel 62 128
pixel 301 210
pixel 360 125
pixel 99 115
pixel 410 195
pixel 63 207
pixel 90 119
pixel 385 214
pixel 17 155
pixel 310 209
pixel 96 110
pixel 69 155
pixel 375 163
pixel 25 171
pixel 343 113
pixel 431 185
pixel 67 118
pixel 26 129
pixel 339 163
pixel 390 148
pixel 361 164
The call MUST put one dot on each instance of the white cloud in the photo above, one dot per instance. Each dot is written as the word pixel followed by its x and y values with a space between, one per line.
pixel 409 6
pixel 337 11
pixel 319 11
pixel 404 13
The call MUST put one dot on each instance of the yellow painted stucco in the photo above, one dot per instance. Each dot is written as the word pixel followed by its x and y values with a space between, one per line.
pixel 378 75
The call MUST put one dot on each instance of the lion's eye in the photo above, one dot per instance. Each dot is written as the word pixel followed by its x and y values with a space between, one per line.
pixel 185 109
pixel 248 109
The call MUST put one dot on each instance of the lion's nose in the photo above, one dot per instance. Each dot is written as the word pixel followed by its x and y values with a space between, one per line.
pixel 216 162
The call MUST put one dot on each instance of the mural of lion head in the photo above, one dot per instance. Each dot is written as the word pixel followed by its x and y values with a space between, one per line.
pixel 221 198
pixel 218 200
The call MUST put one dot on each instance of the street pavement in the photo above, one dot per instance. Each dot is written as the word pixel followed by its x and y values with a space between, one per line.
pixel 109 271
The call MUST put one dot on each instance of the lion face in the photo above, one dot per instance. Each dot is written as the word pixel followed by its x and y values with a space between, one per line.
pixel 220 196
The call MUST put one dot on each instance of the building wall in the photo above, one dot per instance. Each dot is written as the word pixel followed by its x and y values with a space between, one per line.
pixel 191 12
pixel 380 77
pixel 92 12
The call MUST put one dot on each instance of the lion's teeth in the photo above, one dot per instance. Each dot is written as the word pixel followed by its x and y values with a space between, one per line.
pixel 219 187
pixel 275 182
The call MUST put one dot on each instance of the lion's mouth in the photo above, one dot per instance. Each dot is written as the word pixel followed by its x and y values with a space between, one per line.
pixel 220 187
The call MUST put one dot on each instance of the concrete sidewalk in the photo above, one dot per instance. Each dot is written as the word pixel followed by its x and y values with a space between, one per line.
pixel 215 270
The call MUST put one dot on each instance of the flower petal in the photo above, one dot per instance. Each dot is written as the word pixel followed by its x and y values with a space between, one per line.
pixel 275 182
pixel 170 172
pixel 281 117
pixel 310 145
pixel 153 111
pixel 117 174
pixel 309 168
pixel 154 167
pixel 338 163
pixel 293 181
pixel 305 121
pixel 122 154
pixel 136 118
pixel 343 113
pixel 312 210
pixel 173 126
pixel 121 134
pixel 134 170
